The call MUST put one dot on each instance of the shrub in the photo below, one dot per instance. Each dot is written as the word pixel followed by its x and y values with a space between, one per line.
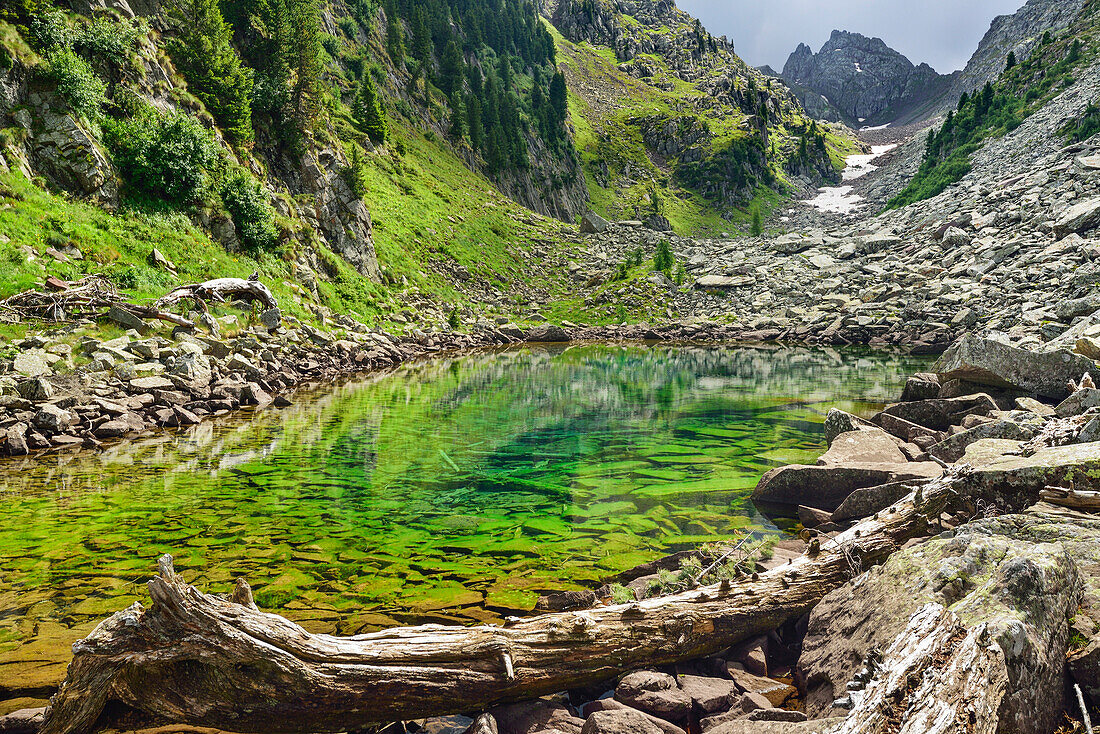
pixel 109 40
pixel 50 31
pixel 162 156
pixel 252 214
pixel 356 172
pixel 76 82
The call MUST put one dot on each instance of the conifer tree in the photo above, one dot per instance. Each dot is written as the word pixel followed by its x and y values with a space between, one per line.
pixel 395 35
pixel 458 117
pixel 205 55
pixel 305 48
pixel 1010 61
pixel 451 69
pixel 368 111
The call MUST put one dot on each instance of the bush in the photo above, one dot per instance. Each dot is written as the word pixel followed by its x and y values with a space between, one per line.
pixel 50 31
pixel 162 156
pixel 252 214
pixel 76 82
pixel 106 39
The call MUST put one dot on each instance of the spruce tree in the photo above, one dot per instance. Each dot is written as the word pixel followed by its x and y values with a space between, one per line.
pixel 395 36
pixel 757 221
pixel 458 117
pixel 368 111
pixel 559 98
pixel 473 122
pixel 451 69
pixel 1010 61
pixel 305 46
pixel 205 55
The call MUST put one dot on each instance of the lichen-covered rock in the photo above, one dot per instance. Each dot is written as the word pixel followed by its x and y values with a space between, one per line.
pixel 1024 591
pixel 993 363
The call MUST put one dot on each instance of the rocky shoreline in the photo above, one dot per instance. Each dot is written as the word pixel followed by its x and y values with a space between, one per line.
pixel 141 382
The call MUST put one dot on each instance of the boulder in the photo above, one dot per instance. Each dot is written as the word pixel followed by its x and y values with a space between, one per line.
pixel 774 691
pixel 531 717
pixel 754 702
pixel 52 418
pixel 31 363
pixel 1080 217
pixel 722 281
pixel 838 422
pixel 992 363
pixel 866 502
pixel 941 413
pixel 547 333
pixel 1078 403
pixel 593 223
pixel 955 237
pixel 710 695
pixel 952 448
pixel 623 721
pixel 610 704
pixel 654 693
pixel 146 384
pixel 826 487
pixel 920 387
pixel 870 446
pixel 127 320
pixel 1022 590
pixel 1072 308
pixel 272 318
pixel 35 389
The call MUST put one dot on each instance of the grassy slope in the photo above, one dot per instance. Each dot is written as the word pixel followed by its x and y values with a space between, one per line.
pixel 606 106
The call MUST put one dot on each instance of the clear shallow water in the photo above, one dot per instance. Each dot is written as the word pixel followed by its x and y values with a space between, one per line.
pixel 455 490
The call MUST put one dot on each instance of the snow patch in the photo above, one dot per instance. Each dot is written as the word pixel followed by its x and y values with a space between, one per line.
pixel 841 199
pixel 859 69
pixel 876 127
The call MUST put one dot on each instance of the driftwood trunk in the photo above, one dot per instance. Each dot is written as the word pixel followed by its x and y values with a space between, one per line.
pixel 199 659
pixel 219 290
pixel 936 678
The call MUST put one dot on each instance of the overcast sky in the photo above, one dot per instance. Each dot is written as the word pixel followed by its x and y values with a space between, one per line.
pixel 941 32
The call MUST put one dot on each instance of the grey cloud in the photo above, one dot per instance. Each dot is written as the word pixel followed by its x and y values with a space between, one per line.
pixel 942 33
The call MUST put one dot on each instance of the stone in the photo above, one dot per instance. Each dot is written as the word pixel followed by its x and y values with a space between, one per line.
pixel 722 281
pixel 819 726
pixel 838 421
pixel 1080 217
pixel 16 439
pixel 610 704
pixel 774 691
pixel 754 701
pixel 1077 403
pixel 253 394
pixel 940 414
pixel 593 223
pixel 145 384
pixel 531 717
pixel 955 237
pixel 920 387
pixel 119 426
pixel 272 318
pixel 952 448
pixel 1087 346
pixel 992 363
pixel 869 446
pixel 908 431
pixel 23 721
pixel 36 389
pixel 986 574
pixel 826 487
pixel 1034 406
pixel 127 320
pixel 654 693
pixel 194 369
pixel 709 694
pixel 52 418
pixel 1072 308
pixel 623 721
pixel 547 333
pixel 866 502
pixel 32 363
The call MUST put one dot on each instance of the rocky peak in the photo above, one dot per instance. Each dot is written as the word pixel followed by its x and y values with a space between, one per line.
pixel 866 81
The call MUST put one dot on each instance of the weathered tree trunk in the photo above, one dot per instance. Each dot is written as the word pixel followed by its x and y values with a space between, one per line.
pixel 936 678
pixel 219 289
pixel 1077 499
pixel 199 659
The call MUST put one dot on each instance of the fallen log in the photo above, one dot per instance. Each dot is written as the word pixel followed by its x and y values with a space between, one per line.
pixel 221 289
pixel 203 660
pixel 1077 499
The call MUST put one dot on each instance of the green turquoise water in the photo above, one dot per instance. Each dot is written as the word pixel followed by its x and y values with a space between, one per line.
pixel 455 490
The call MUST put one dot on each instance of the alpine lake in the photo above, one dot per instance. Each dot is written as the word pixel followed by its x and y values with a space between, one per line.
pixel 455 490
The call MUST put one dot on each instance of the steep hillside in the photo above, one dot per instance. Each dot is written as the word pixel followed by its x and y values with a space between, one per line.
pixel 863 79
pixel 670 123
pixel 273 154
pixel 1018 33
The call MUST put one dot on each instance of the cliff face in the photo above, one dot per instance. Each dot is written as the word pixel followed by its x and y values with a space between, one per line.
pixel 863 79
pixel 1019 33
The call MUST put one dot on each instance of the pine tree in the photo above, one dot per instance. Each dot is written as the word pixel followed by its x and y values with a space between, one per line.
pixel 305 48
pixel 421 39
pixel 451 69
pixel 473 122
pixel 395 36
pixel 213 69
pixel 963 99
pixel 458 117
pixel 559 98
pixel 368 111
pixel 757 221
pixel 1010 61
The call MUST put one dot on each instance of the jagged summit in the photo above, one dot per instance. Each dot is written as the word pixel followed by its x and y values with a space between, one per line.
pixel 861 79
